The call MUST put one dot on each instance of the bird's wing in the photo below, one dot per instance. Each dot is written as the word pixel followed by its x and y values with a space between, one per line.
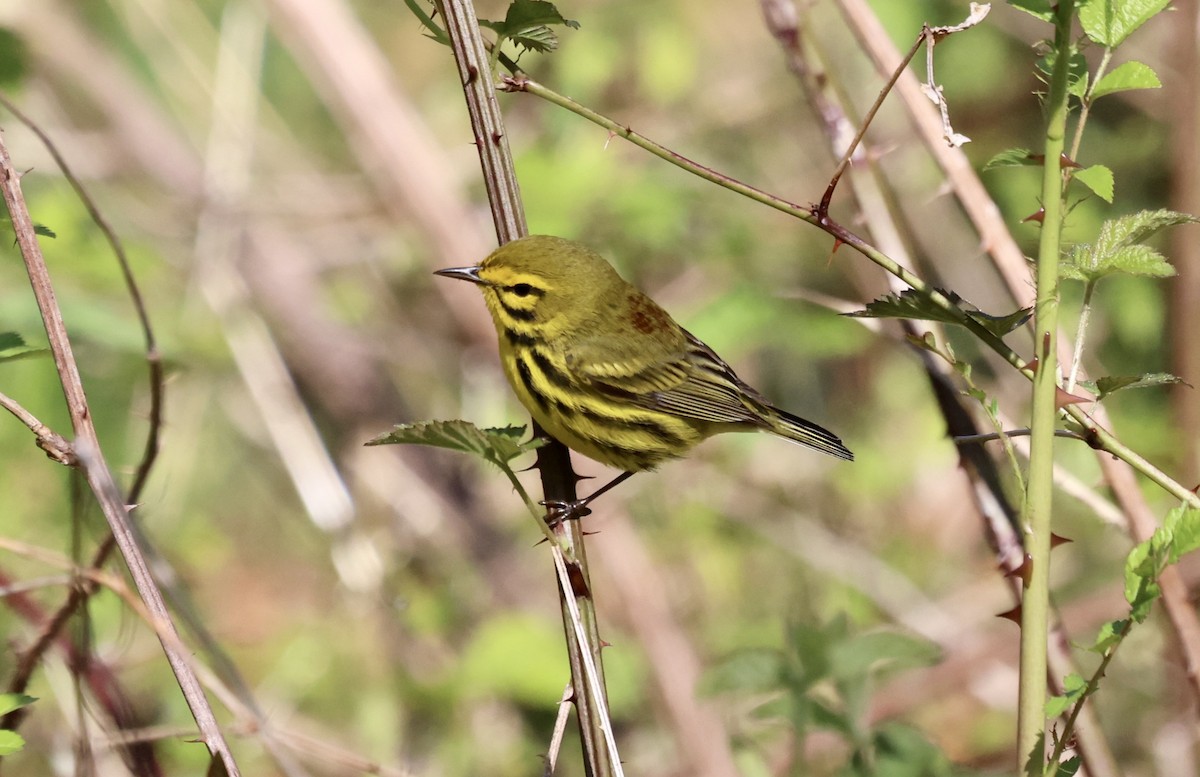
pixel 687 379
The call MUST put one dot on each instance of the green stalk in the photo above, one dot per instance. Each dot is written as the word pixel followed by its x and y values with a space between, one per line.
pixel 1035 604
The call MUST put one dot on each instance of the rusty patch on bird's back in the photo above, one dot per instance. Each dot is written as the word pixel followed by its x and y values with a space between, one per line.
pixel 646 316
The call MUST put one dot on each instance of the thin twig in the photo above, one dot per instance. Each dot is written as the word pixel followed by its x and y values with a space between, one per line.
pixel 153 357
pixel 95 467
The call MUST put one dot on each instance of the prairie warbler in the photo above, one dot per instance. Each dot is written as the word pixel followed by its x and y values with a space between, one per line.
pixel 605 370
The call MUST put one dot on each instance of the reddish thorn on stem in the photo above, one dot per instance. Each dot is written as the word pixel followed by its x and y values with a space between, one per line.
pixel 1023 571
pixel 1056 540
pixel 1032 364
pixel 1039 216
pixel 1062 399
pixel 1067 161
pixel 1013 615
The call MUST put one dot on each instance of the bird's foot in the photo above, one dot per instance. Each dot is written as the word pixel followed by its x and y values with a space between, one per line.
pixel 559 510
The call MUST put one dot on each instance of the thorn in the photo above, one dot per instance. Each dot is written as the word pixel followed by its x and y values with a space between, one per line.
pixel 605 643
pixel 530 468
pixel 1039 217
pixel 1067 161
pixel 1023 571
pixel 611 134
pixel 1056 540
pixel 593 533
pixel 1013 615
pixel 580 478
pixel 1062 399
pixel 1032 364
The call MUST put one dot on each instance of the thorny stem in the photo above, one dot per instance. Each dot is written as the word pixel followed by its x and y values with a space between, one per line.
pixel 1037 509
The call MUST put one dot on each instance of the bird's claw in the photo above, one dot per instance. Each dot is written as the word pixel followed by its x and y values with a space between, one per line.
pixel 559 510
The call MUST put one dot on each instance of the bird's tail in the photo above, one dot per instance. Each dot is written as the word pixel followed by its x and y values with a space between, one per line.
pixel 807 433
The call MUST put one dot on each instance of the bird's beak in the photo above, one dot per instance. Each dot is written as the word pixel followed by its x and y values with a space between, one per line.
pixel 462 273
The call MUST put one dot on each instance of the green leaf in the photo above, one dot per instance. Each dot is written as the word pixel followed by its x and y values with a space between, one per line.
pixel 527 24
pixel 1129 75
pixel 13 347
pixel 1013 157
pixel 38 229
pixel 1184 525
pixel 1110 634
pixel 1001 325
pixel 882 649
pixel 14 701
pixel 1039 8
pixel 498 446
pixel 908 304
pixel 1117 247
pixel 1111 384
pixel 435 32
pixel 912 304
pixel 1099 179
pixel 1073 688
pixel 1069 767
pixel 10 742
pixel 1110 22
pixel 1142 568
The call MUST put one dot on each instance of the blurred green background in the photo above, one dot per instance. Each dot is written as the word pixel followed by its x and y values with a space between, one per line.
pixel 387 608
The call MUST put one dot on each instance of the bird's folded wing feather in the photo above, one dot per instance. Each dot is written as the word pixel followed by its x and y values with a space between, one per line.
pixel 689 381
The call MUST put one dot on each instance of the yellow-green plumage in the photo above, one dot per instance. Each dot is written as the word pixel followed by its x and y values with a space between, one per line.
pixel 605 370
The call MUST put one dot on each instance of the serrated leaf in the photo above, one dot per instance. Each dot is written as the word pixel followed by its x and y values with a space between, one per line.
pixel 1109 635
pixel 1142 568
pixel 13 347
pixel 38 229
pixel 1073 688
pixel 1184 525
pixel 498 446
pixel 1001 325
pixel 1110 384
pixel 1012 157
pixel 1117 247
pixel 1069 767
pixel 1126 76
pixel 1099 179
pixel 528 22
pixel 1110 22
pixel 913 305
pixel 908 304
pixel 1039 8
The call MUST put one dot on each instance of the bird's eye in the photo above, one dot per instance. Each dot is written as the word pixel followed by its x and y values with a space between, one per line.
pixel 522 289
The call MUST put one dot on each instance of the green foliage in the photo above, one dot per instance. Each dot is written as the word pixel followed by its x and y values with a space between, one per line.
pixel 13 347
pixel 1013 157
pixel 498 446
pixel 1109 384
pixel 38 229
pixel 1110 22
pixel 825 673
pixel 1126 76
pixel 1073 688
pixel 1118 248
pixel 912 304
pixel 1099 179
pixel 1038 8
pixel 528 25
pixel 10 741
pixel 1179 534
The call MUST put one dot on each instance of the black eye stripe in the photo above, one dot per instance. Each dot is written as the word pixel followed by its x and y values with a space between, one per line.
pixel 524 290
